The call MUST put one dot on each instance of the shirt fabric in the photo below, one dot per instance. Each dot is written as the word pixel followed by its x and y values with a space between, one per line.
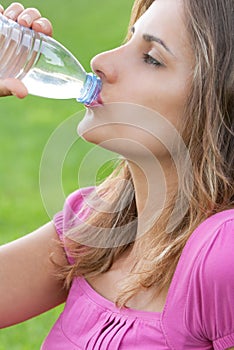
pixel 199 308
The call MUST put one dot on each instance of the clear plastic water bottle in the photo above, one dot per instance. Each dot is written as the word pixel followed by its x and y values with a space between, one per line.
pixel 45 67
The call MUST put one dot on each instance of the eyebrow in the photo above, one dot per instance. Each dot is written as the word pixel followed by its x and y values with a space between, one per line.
pixel 149 38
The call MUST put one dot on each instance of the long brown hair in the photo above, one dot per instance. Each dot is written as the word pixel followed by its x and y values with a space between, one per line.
pixel 208 133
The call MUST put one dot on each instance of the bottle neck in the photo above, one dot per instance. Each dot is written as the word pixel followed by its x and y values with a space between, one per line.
pixel 90 90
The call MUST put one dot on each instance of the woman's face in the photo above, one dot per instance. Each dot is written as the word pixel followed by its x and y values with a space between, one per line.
pixel 153 69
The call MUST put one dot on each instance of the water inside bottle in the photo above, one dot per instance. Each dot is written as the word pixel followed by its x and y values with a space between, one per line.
pixel 46 67
pixel 55 73
pixel 52 85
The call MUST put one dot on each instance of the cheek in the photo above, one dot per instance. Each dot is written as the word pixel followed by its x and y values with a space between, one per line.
pixel 169 100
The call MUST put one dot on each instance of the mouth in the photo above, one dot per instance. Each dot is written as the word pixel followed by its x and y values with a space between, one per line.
pixel 96 103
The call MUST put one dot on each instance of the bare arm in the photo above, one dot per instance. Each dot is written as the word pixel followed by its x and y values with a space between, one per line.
pixel 28 285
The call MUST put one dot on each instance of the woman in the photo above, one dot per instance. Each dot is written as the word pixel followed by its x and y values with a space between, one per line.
pixel 170 276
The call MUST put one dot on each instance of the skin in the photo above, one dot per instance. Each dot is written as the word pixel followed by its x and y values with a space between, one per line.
pixel 31 282
pixel 165 77
pixel 123 72
pixel 31 18
pixel 31 287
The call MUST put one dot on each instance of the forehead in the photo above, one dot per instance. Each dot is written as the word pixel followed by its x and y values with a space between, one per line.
pixel 163 13
pixel 165 19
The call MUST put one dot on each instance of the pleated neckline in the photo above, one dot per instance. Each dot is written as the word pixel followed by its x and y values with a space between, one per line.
pixel 108 304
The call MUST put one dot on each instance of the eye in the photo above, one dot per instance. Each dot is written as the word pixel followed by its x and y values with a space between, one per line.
pixel 150 60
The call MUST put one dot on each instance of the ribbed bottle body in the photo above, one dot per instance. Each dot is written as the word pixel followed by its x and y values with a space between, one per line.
pixel 45 66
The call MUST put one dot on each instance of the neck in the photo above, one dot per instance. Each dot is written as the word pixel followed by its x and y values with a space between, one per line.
pixel 155 185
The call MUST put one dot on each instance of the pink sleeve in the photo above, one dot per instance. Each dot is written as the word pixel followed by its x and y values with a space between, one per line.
pixel 211 292
pixel 71 214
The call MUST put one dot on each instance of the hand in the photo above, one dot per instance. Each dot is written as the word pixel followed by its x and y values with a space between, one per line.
pixel 31 18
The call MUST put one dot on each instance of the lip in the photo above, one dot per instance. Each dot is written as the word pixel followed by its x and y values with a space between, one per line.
pixel 96 103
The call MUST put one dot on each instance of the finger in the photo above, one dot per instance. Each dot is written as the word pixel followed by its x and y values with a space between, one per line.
pixel 13 11
pixel 15 87
pixel 3 90
pixel 28 16
pixel 43 25
pixel 1 9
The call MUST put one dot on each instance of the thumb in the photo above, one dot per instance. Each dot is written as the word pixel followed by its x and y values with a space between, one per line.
pixel 13 86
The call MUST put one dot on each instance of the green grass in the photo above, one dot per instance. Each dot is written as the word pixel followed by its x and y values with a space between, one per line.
pixel 86 28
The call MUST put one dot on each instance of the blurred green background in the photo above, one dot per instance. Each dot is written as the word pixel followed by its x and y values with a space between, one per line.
pixel 85 28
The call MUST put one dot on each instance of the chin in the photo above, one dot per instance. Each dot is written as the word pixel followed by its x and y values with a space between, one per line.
pixel 85 126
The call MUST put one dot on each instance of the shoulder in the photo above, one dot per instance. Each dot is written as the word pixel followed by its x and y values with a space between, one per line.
pixel 213 237
pixel 75 209
pixel 216 257
pixel 208 253
pixel 220 254
pixel 212 249
pixel 75 200
pixel 200 302
pixel 211 289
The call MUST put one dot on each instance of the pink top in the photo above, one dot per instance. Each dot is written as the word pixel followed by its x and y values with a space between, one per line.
pixel 199 309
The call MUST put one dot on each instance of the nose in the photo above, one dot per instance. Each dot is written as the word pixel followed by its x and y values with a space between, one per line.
pixel 105 66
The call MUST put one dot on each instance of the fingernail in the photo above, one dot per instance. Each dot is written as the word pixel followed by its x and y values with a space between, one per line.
pixel 27 19
pixel 41 24
pixel 1 8
pixel 11 14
